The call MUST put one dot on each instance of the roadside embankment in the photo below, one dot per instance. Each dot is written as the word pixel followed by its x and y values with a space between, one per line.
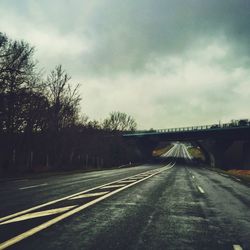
pixel 245 174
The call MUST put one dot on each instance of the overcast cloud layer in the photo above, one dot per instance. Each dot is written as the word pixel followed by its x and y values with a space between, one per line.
pixel 167 63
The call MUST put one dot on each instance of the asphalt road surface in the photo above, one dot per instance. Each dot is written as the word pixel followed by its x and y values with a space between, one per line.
pixel 168 206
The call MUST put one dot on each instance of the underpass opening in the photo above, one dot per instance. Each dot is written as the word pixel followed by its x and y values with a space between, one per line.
pixel 182 152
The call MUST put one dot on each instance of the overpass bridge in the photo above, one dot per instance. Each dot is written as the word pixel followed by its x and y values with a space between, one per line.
pixel 223 131
pixel 225 145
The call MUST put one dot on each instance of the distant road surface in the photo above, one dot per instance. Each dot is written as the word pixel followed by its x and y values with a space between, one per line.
pixel 168 206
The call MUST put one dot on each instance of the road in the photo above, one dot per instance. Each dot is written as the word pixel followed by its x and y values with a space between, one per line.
pixel 179 150
pixel 169 206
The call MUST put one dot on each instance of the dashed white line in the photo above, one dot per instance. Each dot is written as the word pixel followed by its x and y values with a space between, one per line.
pixel 237 179
pixel 40 185
pixel 192 176
pixel 201 190
pixel 21 180
pixel 237 247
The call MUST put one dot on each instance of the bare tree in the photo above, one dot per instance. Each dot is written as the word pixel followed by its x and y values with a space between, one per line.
pixel 64 100
pixel 119 121
pixel 3 51
pixel 16 70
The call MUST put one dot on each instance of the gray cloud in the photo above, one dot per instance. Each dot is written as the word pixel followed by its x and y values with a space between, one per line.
pixel 167 62
pixel 129 35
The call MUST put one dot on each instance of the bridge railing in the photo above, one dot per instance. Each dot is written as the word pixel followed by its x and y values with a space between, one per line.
pixel 194 128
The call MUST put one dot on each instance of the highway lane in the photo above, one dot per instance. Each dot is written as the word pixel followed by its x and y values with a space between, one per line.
pixel 177 207
pixel 178 150
pixel 38 218
pixel 21 194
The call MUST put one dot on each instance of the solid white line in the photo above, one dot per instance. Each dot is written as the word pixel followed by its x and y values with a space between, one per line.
pixel 40 185
pixel 188 154
pixel 47 224
pixel 173 151
pixel 66 197
pixel 201 190
pixel 237 247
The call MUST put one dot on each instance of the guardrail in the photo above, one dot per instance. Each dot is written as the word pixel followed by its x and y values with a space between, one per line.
pixel 193 128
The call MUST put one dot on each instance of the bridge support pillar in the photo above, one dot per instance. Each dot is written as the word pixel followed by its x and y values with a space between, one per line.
pixel 227 154
pixel 215 151
pixel 246 155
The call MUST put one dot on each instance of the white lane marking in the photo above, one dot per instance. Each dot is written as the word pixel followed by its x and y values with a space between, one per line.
pixel 47 224
pixel 237 247
pixel 172 152
pixel 67 197
pixel 21 180
pixel 177 152
pixel 88 195
pixel 113 186
pixel 192 176
pixel 38 214
pixel 237 179
pixel 188 154
pixel 169 152
pixel 40 185
pixel 201 190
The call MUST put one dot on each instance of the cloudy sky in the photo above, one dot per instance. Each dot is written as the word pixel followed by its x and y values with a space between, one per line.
pixel 167 63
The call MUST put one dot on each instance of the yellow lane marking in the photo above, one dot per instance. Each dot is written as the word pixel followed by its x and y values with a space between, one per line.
pixel 88 195
pixel 61 199
pixel 133 178
pixel 114 186
pixel 127 181
pixel 237 247
pixel 47 224
pixel 38 214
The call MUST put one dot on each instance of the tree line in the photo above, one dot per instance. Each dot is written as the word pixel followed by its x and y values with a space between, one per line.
pixel 41 124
